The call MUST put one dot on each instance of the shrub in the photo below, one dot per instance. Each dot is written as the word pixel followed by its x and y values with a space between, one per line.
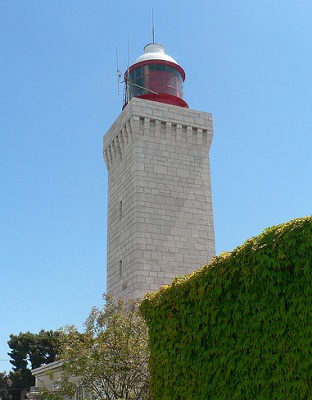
pixel 240 327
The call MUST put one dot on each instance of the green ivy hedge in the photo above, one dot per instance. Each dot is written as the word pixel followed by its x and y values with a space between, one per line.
pixel 240 327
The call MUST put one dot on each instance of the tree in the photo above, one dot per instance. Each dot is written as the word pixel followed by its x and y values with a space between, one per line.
pixel 34 350
pixel 109 360
pixel 29 351
pixel 5 385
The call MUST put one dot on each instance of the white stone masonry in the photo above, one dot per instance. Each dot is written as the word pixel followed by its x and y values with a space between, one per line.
pixel 160 220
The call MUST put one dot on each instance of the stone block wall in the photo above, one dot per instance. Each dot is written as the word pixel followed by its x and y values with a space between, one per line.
pixel 160 220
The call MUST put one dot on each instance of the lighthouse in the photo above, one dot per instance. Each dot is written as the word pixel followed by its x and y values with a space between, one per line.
pixel 160 218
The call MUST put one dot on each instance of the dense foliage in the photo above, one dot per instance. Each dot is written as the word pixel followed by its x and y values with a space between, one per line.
pixel 5 386
pixel 109 360
pixel 29 351
pixel 239 328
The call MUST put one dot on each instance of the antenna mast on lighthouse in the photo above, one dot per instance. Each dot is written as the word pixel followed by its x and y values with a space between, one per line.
pixel 153 26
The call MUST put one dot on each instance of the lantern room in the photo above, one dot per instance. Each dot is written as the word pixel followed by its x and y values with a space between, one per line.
pixel 155 76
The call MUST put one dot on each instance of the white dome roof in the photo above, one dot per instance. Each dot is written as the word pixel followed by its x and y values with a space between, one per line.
pixel 154 51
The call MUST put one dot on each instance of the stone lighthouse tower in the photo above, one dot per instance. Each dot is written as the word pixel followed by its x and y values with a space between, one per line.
pixel 160 220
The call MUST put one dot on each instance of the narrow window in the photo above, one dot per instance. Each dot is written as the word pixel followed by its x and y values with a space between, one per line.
pixel 120 209
pixel 120 268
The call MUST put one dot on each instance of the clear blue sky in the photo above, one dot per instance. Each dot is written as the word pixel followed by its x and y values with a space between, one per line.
pixel 249 63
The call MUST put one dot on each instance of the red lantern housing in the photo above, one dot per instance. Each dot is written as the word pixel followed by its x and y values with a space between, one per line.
pixel 155 76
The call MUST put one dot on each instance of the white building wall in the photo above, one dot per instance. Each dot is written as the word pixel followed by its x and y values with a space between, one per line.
pixel 160 220
pixel 47 375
